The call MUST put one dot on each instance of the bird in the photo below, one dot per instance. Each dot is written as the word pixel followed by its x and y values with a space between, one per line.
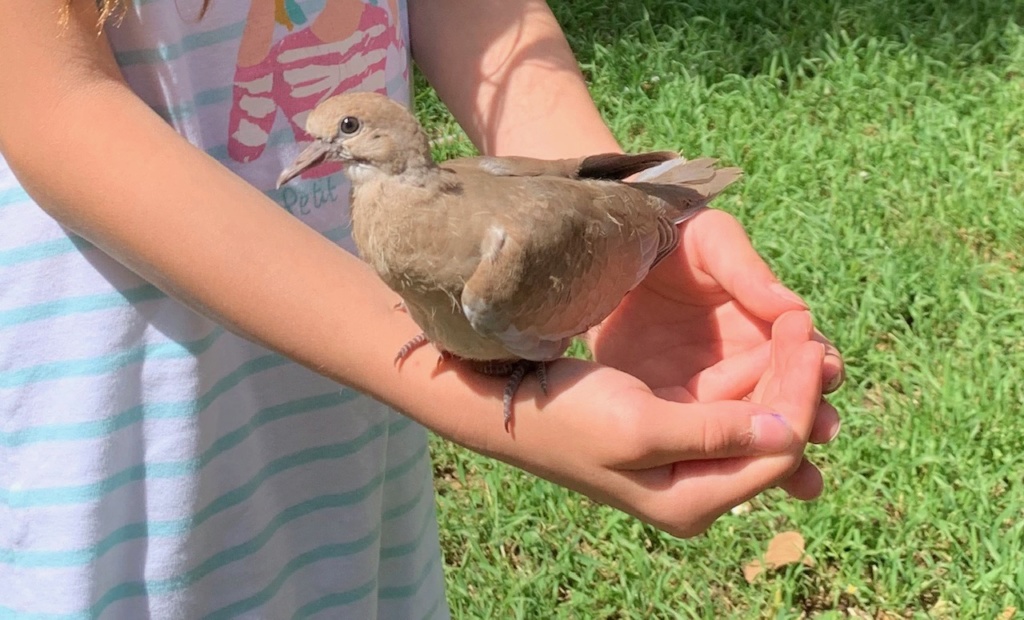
pixel 502 261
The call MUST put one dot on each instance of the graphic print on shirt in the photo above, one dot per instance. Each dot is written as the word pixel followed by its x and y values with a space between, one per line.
pixel 350 45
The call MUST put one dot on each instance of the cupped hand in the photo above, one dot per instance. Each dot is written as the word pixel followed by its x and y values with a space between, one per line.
pixel 698 328
pixel 708 386
pixel 701 320
pixel 678 466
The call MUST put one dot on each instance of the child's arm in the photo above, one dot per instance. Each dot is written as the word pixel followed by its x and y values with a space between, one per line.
pixel 101 162
pixel 505 70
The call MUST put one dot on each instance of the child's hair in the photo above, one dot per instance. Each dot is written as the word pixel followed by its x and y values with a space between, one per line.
pixel 108 8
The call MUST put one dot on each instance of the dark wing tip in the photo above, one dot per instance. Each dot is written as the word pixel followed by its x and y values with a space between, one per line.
pixel 616 166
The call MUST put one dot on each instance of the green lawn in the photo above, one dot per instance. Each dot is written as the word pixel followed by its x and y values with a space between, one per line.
pixel 883 144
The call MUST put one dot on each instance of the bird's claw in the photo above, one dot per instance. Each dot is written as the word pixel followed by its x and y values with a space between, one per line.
pixel 416 343
pixel 514 381
pixel 516 371
pixel 409 347
pixel 542 375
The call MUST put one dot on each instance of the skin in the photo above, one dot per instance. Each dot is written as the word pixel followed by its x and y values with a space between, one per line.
pixel 686 449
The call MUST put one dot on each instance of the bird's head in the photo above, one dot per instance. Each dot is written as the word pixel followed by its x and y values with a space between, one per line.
pixel 367 133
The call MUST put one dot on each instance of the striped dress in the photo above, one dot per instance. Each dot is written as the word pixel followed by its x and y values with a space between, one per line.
pixel 154 465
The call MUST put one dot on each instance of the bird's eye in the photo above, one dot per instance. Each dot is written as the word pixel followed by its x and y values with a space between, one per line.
pixel 349 125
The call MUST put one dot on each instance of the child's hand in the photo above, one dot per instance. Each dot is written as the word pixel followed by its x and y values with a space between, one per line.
pixel 698 328
pixel 678 466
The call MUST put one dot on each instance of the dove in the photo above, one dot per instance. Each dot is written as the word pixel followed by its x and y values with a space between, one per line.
pixel 501 261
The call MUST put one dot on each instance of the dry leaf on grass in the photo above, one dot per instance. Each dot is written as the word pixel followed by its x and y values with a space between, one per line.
pixel 1008 613
pixel 783 549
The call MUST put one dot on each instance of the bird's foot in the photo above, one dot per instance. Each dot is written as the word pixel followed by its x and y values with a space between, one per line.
pixel 416 343
pixel 407 348
pixel 516 371
pixel 541 370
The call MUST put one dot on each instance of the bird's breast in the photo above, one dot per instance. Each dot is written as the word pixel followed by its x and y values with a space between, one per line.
pixel 442 321
pixel 413 239
pixel 425 253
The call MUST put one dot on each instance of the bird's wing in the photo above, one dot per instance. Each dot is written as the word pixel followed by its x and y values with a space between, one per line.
pixel 685 186
pixel 610 166
pixel 560 260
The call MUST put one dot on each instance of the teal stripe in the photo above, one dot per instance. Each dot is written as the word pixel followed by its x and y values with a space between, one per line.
pixel 336 599
pixel 433 610
pixel 271 414
pixel 345 598
pixel 339 598
pixel 186 110
pixel 337 234
pixel 77 494
pixel 13 195
pixel 138 413
pixel 163 529
pixel 73 243
pixel 242 551
pixel 44 250
pixel 277 138
pixel 108 363
pixel 144 588
pixel 409 464
pixel 81 557
pixel 402 509
pixel 193 42
pixel 327 552
pixel 8 613
pixel 410 590
pixel 164 53
pixel 397 551
pixel 297 459
pixel 78 305
pixel 177 113
pixel 61 496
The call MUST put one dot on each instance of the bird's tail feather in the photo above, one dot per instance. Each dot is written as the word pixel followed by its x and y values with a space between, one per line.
pixel 687 186
pixel 700 174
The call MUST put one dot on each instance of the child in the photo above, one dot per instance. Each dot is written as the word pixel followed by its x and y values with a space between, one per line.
pixel 166 450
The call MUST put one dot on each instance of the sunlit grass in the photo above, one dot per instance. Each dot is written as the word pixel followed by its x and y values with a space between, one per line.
pixel 883 145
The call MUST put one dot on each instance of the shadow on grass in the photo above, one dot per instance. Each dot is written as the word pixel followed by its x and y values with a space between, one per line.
pixel 713 38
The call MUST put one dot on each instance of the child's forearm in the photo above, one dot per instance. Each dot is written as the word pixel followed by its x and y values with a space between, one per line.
pixel 504 69
pixel 180 220
pixel 104 165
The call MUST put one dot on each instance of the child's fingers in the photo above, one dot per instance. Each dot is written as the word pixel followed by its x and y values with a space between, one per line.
pixel 728 257
pixel 732 378
pixel 826 424
pixel 805 483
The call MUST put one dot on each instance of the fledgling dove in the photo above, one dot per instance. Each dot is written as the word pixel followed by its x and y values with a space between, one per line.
pixel 501 261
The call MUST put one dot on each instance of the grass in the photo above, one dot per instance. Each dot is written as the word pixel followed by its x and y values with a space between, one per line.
pixel 883 144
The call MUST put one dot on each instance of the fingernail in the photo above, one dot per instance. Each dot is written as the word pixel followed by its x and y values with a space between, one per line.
pixel 834 382
pixel 772 433
pixel 838 426
pixel 784 293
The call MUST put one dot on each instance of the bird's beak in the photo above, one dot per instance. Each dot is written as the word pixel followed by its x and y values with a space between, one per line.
pixel 311 156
